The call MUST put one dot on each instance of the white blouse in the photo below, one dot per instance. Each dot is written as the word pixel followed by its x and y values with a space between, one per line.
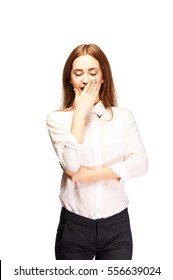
pixel 114 143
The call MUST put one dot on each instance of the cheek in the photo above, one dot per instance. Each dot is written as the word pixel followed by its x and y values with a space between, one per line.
pixel 74 81
pixel 100 82
pixel 99 86
pixel 100 79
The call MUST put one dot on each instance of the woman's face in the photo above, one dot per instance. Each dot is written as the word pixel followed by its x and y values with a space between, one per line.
pixel 84 69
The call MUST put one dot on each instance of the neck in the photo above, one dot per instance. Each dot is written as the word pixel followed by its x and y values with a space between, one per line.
pixel 97 102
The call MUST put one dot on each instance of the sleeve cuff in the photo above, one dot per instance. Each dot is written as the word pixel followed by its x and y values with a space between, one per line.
pixel 119 169
pixel 71 143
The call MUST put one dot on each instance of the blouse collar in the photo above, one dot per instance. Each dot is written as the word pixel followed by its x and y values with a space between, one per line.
pixel 98 109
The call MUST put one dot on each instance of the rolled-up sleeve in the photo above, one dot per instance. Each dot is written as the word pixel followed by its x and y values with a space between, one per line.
pixel 65 144
pixel 135 159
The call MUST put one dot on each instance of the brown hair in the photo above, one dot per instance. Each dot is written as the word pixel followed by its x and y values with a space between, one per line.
pixel 107 90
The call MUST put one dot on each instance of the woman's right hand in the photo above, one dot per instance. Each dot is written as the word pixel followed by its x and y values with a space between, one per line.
pixel 83 103
pixel 85 100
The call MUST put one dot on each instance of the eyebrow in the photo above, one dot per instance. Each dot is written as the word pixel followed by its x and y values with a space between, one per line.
pixel 90 69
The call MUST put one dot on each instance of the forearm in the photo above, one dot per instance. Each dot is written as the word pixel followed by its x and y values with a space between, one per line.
pixel 78 126
pixel 102 174
pixel 83 103
pixel 92 175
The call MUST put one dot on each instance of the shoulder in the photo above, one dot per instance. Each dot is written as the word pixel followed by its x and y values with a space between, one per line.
pixel 53 115
pixel 123 114
pixel 59 115
pixel 120 111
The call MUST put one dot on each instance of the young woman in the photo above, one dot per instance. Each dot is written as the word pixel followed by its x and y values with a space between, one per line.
pixel 99 148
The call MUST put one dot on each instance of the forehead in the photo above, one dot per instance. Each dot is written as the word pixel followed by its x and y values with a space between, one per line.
pixel 85 61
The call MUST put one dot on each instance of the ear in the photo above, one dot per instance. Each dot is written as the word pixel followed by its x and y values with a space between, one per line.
pixel 103 81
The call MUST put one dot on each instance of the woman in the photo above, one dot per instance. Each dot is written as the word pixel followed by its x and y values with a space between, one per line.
pixel 99 148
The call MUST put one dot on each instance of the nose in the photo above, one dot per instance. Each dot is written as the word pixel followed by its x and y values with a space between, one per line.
pixel 85 79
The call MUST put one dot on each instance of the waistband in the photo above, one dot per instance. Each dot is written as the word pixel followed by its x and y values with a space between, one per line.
pixel 81 220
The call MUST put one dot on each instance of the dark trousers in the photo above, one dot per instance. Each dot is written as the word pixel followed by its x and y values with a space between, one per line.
pixel 80 238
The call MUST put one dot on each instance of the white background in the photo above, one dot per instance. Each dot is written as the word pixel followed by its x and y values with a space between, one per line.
pixel 36 38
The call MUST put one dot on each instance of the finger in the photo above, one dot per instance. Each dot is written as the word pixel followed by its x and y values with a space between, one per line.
pixel 88 85
pixel 91 87
pixel 94 90
pixel 76 92
pixel 66 171
pixel 95 95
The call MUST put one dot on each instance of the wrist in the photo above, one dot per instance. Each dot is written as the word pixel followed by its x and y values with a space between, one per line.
pixel 105 173
pixel 80 113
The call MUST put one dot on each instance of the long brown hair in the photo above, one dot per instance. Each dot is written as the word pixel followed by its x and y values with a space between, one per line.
pixel 107 90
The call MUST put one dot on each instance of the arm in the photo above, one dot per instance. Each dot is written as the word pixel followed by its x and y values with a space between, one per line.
pixel 83 104
pixel 68 145
pixel 65 144
pixel 78 125
pixel 134 163
pixel 135 159
pixel 92 175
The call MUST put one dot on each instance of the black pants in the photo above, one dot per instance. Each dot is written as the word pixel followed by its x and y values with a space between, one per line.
pixel 80 238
